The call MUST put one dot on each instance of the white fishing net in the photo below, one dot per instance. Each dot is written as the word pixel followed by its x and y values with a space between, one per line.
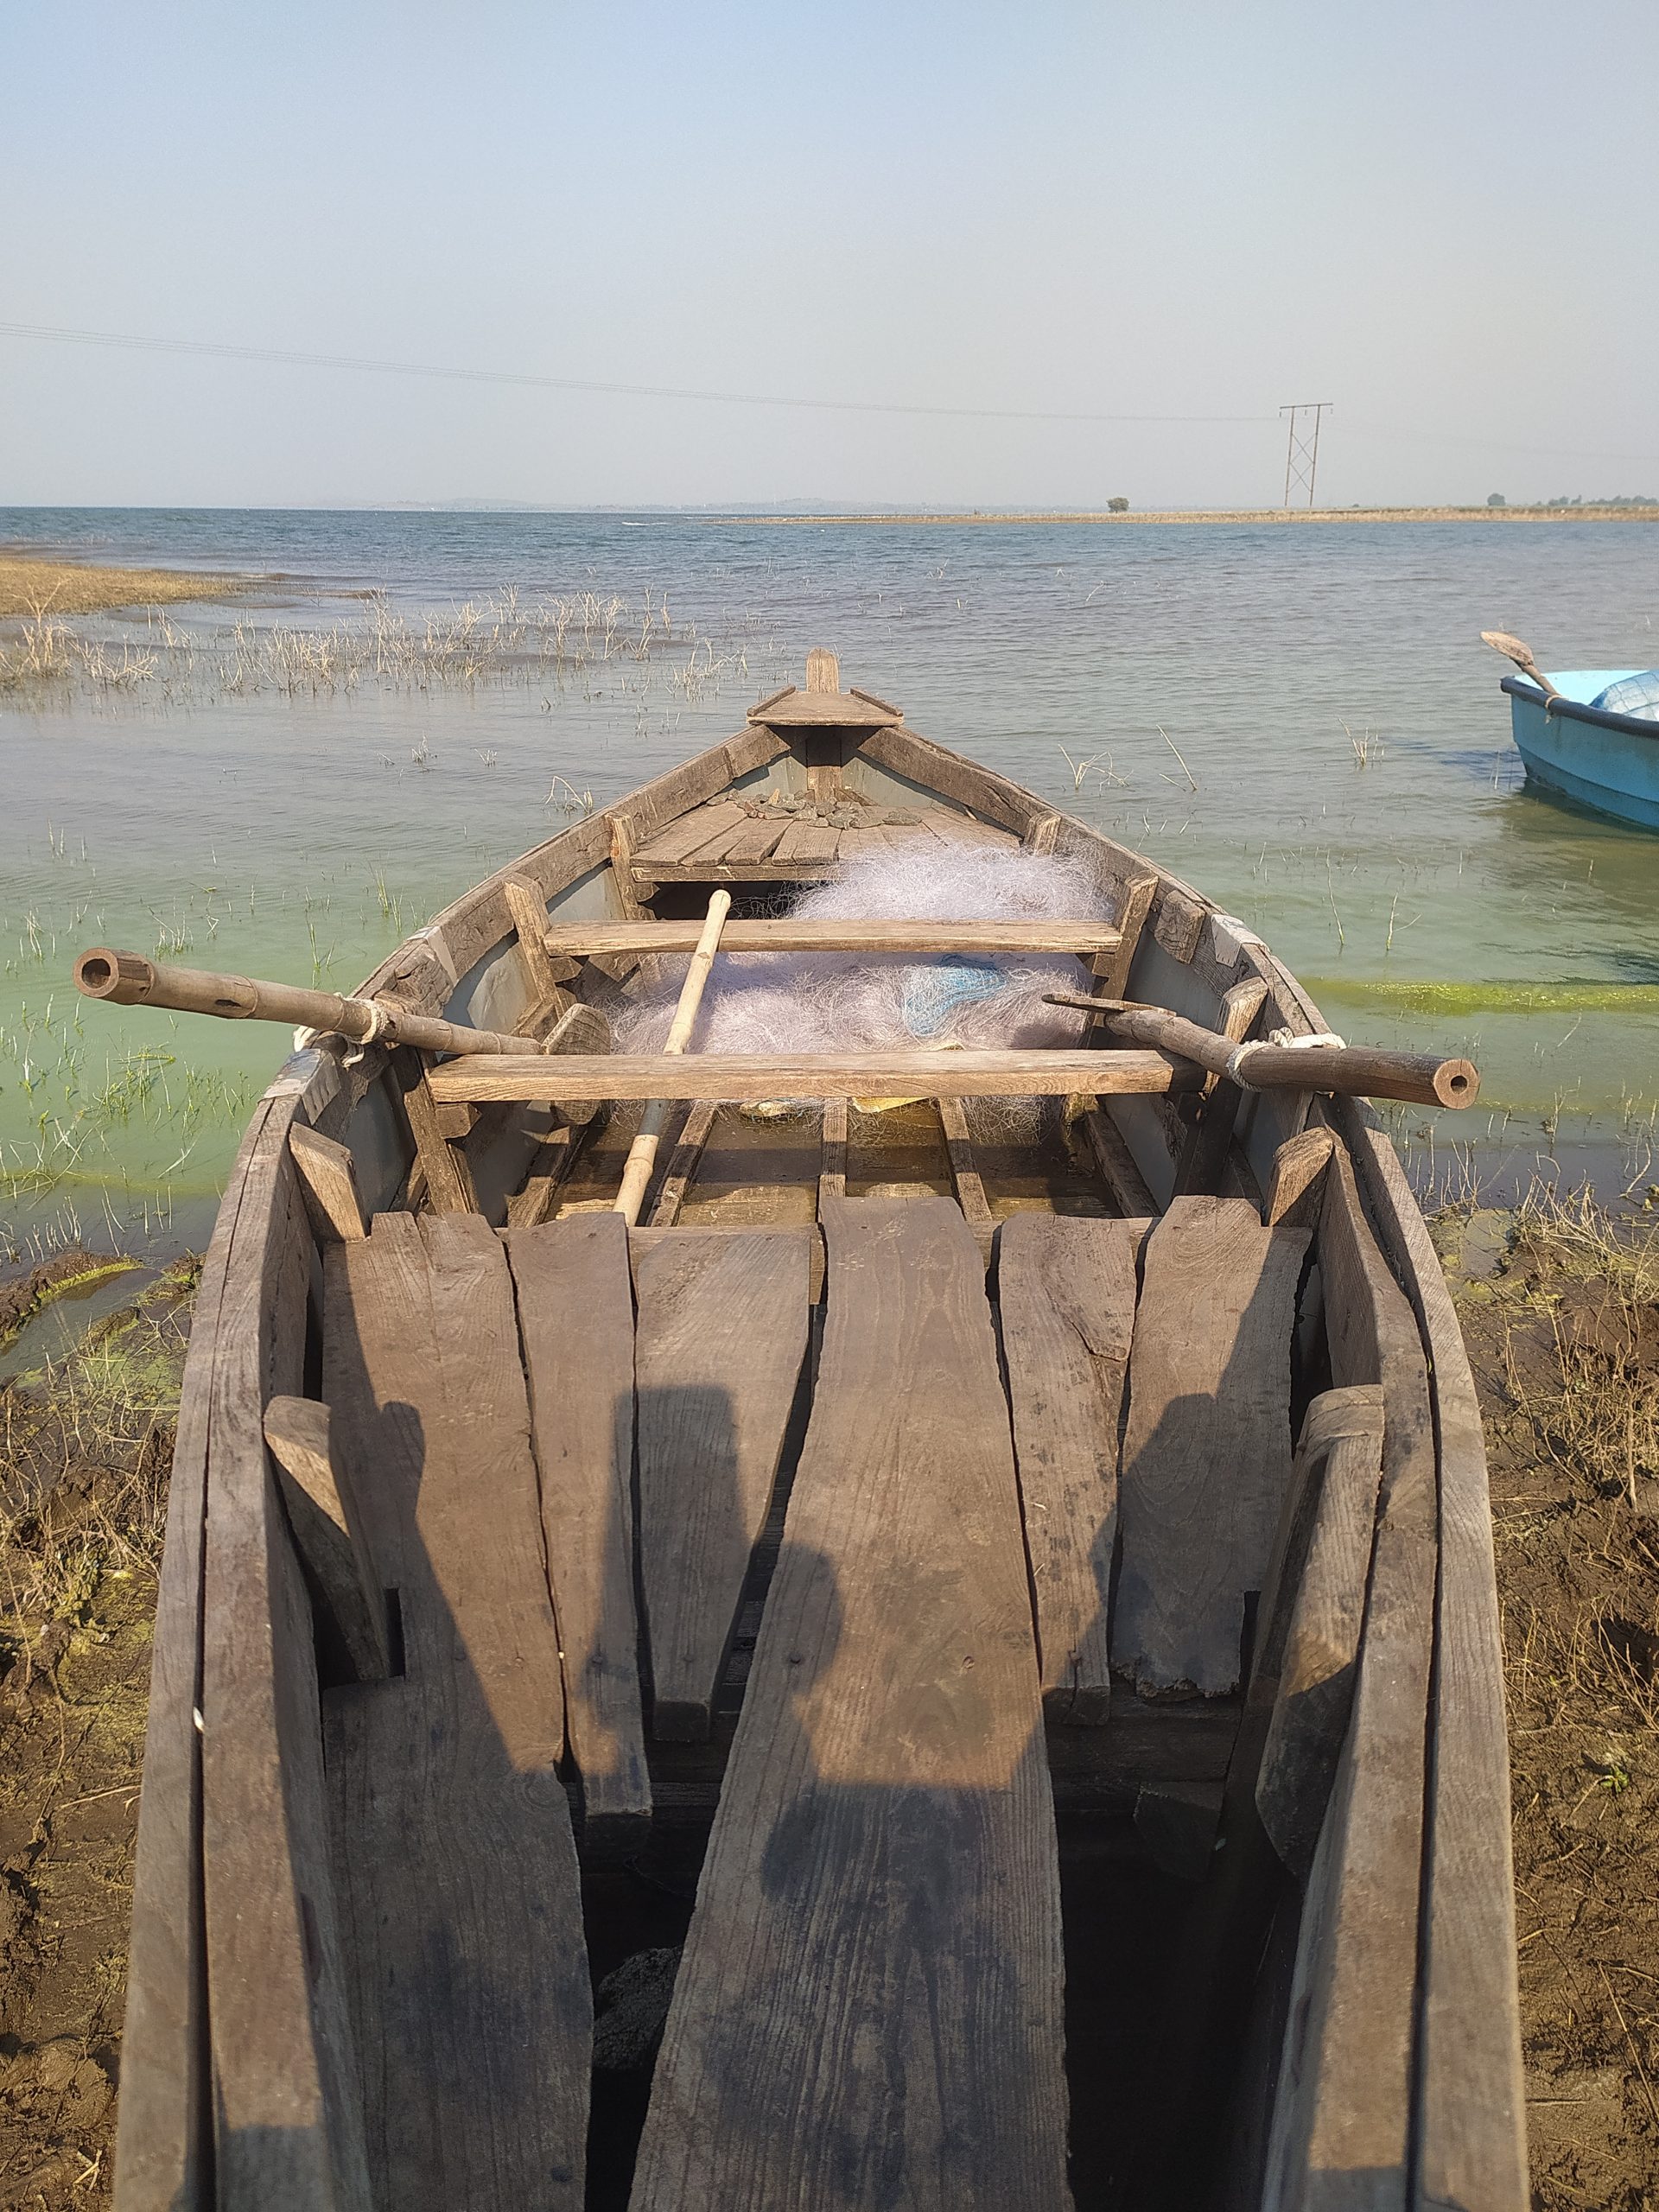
pixel 792 1003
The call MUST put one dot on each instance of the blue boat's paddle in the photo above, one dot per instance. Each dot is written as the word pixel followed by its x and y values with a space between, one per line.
pixel 1512 649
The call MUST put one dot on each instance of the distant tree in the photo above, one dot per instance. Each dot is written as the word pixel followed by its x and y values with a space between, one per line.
pixel 1497 499
pixel 1117 506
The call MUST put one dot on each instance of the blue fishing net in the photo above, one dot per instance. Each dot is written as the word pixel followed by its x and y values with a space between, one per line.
pixel 933 994
pixel 1635 694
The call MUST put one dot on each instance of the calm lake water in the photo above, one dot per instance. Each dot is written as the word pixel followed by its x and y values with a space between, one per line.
pixel 1301 720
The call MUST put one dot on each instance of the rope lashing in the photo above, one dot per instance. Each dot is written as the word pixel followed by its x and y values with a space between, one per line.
pixel 377 1017
pixel 1281 1040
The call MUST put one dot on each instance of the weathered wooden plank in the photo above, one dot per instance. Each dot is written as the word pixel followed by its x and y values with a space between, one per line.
pixel 1294 1187
pixel 787 935
pixel 644 1241
pixel 752 841
pixel 740 1075
pixel 1469 2131
pixel 1313 1690
pixel 452 1830
pixel 328 1177
pixel 868 2008
pixel 1112 968
pixel 164 2158
pixel 1116 1165
pixel 688 836
pixel 1178 923
pixel 545 973
pixel 770 870
pixel 832 1172
pixel 720 1340
pixel 935 768
pixel 964 1173
pixel 1066 1293
pixel 1206 1153
pixel 448 1183
pixel 811 842
pixel 321 1498
pixel 682 1163
pixel 1207 1454
pixel 1341 2126
pixel 575 1321
pixel 288 2124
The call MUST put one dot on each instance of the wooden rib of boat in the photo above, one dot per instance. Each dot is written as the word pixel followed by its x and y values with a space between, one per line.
pixel 1020 1622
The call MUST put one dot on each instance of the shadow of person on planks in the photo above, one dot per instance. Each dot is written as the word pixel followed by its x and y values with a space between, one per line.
pixel 867 2009
pixel 454 1860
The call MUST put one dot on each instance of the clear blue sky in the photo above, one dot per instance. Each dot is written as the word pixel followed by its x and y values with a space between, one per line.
pixel 1440 217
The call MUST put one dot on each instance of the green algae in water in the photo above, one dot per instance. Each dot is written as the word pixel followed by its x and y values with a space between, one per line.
pixel 1465 999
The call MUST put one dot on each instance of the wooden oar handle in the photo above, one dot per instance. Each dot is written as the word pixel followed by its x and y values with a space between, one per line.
pixel 131 979
pixel 1355 1071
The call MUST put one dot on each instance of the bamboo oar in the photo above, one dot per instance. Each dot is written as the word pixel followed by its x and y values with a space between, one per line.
pixel 129 979
pixel 1513 649
pixel 1356 1071
pixel 642 1152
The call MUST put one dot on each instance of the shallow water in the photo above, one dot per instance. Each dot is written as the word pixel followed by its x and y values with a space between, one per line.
pixel 1300 721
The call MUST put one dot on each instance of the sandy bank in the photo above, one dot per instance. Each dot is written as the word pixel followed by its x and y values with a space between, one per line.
pixel 32 586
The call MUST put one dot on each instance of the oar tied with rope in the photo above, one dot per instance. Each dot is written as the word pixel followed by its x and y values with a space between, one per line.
pixel 131 979
pixel 1282 1062
pixel 1521 654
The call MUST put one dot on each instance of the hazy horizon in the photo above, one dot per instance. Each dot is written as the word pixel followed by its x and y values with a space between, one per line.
pixel 1084 213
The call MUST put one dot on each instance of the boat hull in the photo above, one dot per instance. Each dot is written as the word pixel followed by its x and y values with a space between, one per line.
pixel 1608 763
pixel 260 2067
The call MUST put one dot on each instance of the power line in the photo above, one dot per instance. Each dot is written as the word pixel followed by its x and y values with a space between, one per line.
pixel 211 350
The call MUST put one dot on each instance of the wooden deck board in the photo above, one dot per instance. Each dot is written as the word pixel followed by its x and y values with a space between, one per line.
pixel 1066 1293
pixel 721 1334
pixel 1207 1455
pixel 683 839
pixel 868 2009
pixel 452 1841
pixel 575 1321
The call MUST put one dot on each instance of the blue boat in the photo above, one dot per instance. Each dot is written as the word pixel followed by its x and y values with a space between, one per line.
pixel 1587 751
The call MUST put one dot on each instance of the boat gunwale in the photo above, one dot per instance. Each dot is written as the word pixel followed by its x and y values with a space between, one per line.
pixel 1576 710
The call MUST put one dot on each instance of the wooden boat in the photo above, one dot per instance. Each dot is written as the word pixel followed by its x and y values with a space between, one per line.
pixel 1045 1818
pixel 1577 745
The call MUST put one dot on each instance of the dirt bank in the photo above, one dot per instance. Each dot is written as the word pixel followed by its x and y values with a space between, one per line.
pixel 31 586
pixel 83 1453
pixel 1562 1325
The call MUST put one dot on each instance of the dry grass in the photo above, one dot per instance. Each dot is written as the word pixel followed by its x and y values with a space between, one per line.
pixel 85 1447
pixel 501 638
pixel 38 588
pixel 1563 1331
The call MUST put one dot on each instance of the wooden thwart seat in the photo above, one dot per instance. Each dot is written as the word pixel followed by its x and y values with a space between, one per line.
pixel 454 1855
pixel 584 939
pixel 868 2009
pixel 1034 1073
